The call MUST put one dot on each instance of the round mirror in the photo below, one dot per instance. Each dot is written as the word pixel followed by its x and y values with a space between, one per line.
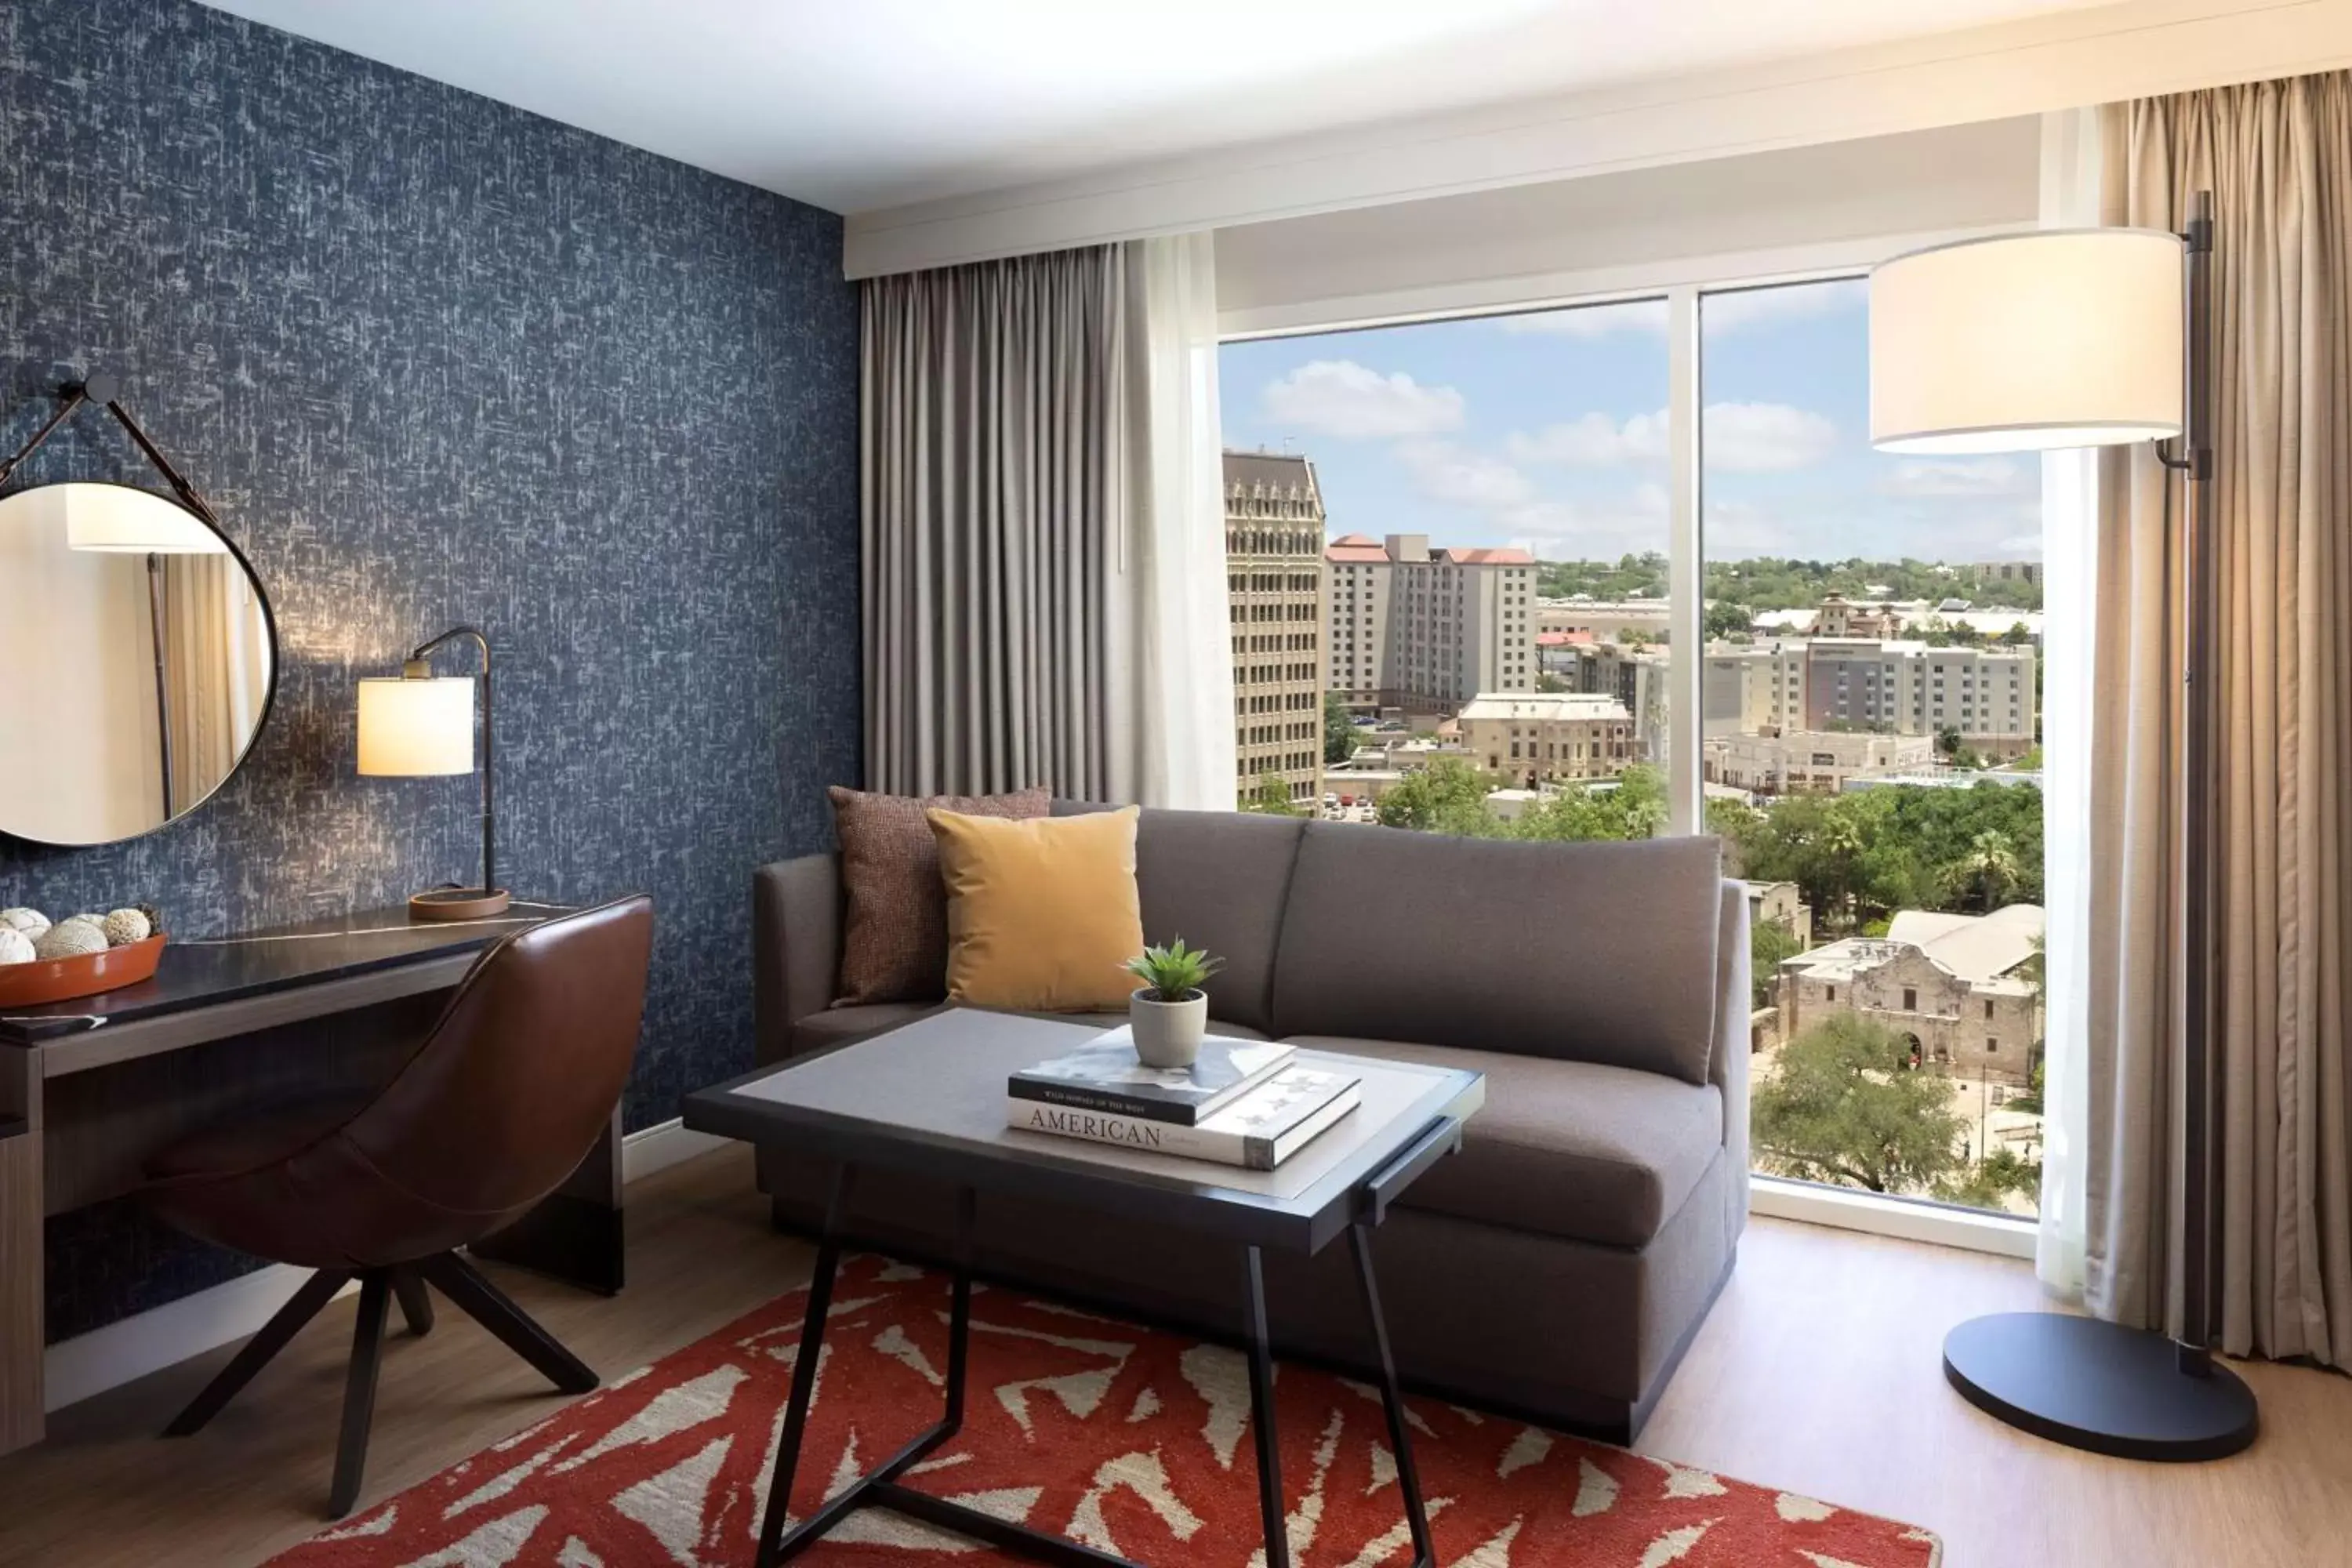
pixel 137 662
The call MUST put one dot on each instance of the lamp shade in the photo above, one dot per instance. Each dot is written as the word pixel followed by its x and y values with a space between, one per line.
pixel 121 519
pixel 2028 342
pixel 411 727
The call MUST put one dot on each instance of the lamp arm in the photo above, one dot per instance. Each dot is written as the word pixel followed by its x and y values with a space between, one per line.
pixel 417 667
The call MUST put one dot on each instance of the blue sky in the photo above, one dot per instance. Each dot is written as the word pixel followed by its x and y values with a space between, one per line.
pixel 1546 430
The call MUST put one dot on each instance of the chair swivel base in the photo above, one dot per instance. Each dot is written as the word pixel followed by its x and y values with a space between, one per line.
pixel 447 1273
pixel 2099 1387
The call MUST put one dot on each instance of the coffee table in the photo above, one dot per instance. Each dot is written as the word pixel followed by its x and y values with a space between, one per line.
pixel 928 1097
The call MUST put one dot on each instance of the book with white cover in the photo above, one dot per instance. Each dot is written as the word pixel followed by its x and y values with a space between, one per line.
pixel 1257 1131
pixel 1105 1076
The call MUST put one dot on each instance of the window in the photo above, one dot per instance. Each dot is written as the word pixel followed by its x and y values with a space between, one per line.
pixel 1809 535
pixel 1490 478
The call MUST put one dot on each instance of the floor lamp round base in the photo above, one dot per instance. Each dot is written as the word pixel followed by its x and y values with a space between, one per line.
pixel 2096 1386
pixel 458 904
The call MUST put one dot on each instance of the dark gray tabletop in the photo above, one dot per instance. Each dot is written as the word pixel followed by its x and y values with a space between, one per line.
pixel 931 1097
pixel 207 972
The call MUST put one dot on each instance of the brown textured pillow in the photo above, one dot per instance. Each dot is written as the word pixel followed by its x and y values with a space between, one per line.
pixel 894 939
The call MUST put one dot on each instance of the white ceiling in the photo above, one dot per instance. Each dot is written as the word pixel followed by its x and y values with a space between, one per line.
pixel 858 105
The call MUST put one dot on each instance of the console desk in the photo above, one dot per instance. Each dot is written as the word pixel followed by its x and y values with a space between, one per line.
pixel 89 1087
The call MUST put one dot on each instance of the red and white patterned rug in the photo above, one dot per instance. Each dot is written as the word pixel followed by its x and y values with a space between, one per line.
pixel 1132 1440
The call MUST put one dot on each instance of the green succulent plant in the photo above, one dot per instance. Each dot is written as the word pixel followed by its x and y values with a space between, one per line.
pixel 1174 973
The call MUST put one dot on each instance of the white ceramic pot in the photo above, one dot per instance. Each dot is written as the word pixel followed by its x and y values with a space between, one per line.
pixel 1168 1033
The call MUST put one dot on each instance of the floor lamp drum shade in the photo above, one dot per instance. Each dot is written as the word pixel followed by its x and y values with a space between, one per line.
pixel 2028 342
pixel 417 729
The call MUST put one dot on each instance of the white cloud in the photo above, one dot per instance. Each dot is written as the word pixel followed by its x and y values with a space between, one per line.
pixel 1339 397
pixel 1958 477
pixel 1591 321
pixel 1594 441
pixel 1765 437
pixel 1455 476
pixel 1742 438
pixel 1743 308
pixel 1599 528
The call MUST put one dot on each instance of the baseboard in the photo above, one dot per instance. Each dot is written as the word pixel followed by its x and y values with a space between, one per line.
pixel 73 1370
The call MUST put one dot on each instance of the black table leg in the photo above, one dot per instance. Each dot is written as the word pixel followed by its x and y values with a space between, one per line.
pixel 1359 1238
pixel 1261 1381
pixel 880 1487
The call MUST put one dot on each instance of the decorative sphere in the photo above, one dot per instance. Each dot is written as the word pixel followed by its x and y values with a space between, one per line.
pixel 31 922
pixel 15 947
pixel 124 927
pixel 71 939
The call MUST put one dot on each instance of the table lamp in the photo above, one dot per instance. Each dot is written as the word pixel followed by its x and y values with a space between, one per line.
pixel 2088 338
pixel 419 725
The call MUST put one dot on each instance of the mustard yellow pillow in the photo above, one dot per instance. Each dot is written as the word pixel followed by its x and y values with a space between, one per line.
pixel 1041 911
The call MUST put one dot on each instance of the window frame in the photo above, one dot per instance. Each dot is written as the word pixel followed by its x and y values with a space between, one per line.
pixel 1681 283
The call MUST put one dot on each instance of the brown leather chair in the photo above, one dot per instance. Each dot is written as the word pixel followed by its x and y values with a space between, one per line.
pixel 500 1101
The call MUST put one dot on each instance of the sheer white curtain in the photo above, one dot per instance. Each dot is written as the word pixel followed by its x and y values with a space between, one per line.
pixel 1181 653
pixel 2073 160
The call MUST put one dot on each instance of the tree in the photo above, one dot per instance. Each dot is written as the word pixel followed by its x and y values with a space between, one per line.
pixel 1341 736
pixel 1447 796
pixel 1771 943
pixel 1547 681
pixel 1633 807
pixel 1729 618
pixel 1988 1183
pixel 1842 1105
pixel 1271 797
pixel 1948 743
pixel 2018 635
pixel 1987 871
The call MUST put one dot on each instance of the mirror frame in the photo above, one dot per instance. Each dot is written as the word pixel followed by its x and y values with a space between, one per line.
pixel 268 698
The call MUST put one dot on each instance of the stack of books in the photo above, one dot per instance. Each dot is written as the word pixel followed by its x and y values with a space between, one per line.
pixel 1243 1102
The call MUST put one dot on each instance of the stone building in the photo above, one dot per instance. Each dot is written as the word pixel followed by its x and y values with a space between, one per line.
pixel 1956 988
pixel 1529 738
pixel 1274 593
pixel 1426 630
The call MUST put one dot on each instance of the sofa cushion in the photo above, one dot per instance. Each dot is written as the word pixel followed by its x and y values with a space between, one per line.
pixel 1595 1153
pixel 1596 953
pixel 894 942
pixel 1218 879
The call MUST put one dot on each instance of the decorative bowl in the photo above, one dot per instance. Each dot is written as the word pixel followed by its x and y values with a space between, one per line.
pixel 45 980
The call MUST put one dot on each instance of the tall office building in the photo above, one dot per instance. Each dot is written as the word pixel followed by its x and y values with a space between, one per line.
pixel 1425 630
pixel 1273 592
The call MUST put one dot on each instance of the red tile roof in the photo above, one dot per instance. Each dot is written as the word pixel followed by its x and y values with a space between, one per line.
pixel 1356 554
pixel 1486 557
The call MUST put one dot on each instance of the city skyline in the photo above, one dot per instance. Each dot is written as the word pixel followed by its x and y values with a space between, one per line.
pixel 1547 431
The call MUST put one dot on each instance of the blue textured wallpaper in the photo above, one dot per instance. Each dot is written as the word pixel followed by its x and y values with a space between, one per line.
pixel 434 360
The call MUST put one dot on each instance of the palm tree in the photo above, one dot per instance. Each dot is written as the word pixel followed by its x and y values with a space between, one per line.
pixel 1988 868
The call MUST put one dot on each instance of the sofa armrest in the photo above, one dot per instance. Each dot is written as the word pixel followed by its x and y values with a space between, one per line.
pixel 795 946
pixel 1727 1070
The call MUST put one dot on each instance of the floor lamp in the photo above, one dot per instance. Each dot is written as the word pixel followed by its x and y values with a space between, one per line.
pixel 2033 342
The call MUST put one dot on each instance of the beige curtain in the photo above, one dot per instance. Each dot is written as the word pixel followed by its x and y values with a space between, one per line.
pixel 216 670
pixel 993 493
pixel 2278 158
pixel 1043 528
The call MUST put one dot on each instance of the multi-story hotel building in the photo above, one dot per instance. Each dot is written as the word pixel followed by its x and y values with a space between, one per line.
pixel 1273 592
pixel 1427 630
pixel 1887 685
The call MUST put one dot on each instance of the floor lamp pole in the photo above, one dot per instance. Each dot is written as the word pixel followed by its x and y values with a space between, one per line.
pixel 2132 1393
pixel 2194 954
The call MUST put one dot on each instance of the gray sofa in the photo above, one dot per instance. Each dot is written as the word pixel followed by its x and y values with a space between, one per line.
pixel 1558 1266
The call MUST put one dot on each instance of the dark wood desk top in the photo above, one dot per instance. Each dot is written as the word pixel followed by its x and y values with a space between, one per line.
pixel 215 971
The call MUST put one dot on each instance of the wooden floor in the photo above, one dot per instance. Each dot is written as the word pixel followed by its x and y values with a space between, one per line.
pixel 1817 1373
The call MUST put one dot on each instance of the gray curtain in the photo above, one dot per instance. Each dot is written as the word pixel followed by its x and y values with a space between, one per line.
pixel 2278 157
pixel 995 500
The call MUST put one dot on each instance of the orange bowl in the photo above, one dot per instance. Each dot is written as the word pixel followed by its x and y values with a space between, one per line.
pixel 64 979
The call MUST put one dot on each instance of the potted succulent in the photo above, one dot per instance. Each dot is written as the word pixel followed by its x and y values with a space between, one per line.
pixel 1171 1012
